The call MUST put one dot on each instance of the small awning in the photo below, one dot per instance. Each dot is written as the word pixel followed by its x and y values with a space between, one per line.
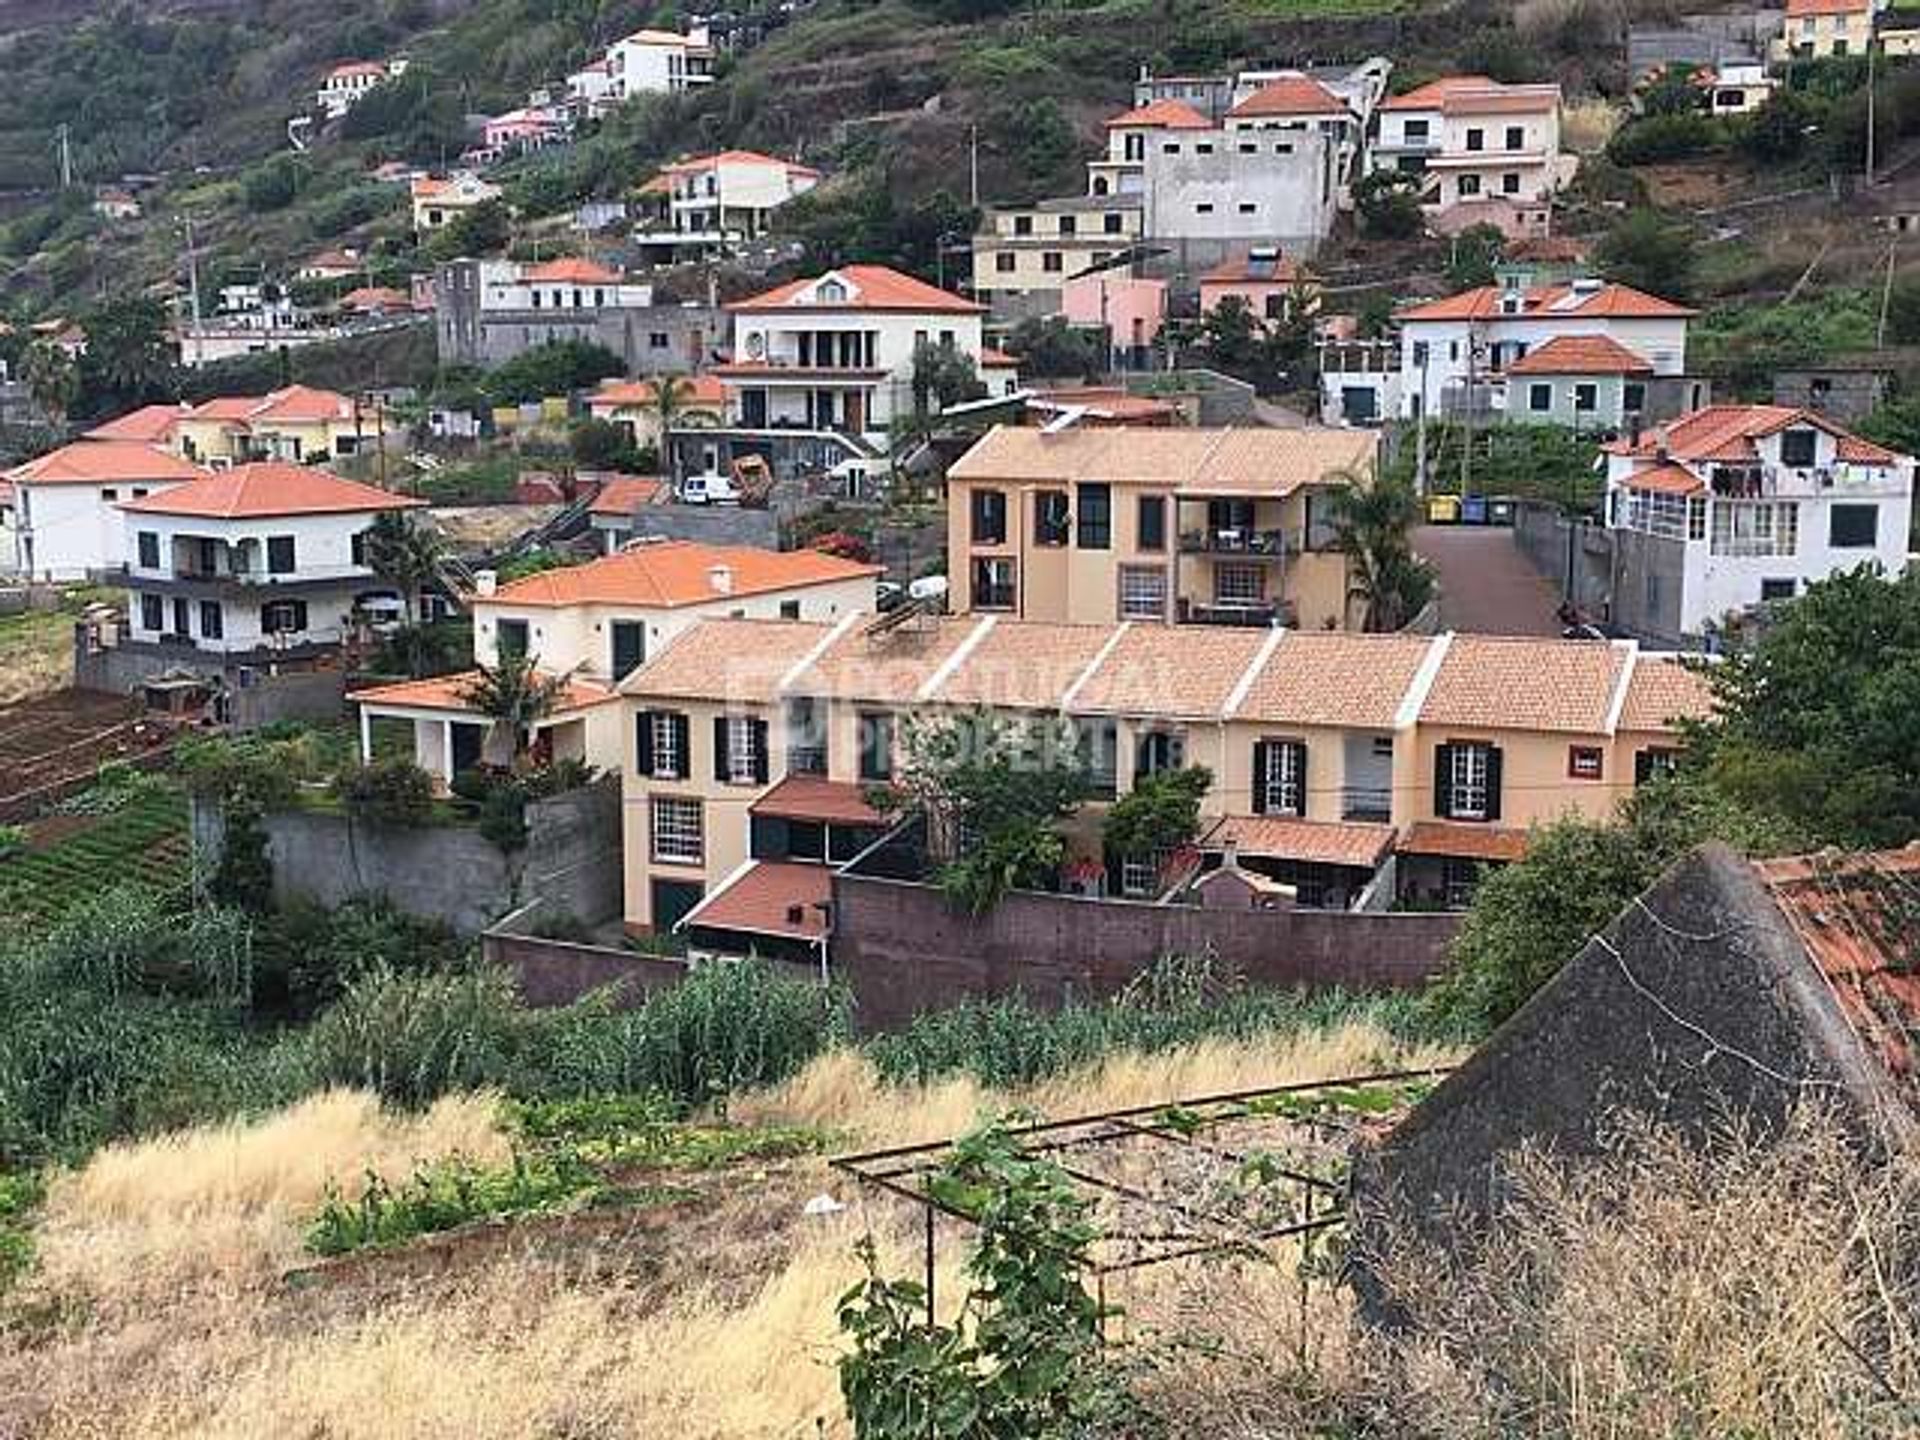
pixel 449 692
pixel 1316 842
pixel 815 798
pixel 767 897
pixel 1454 841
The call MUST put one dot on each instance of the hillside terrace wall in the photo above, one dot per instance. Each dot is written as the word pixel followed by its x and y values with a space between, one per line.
pixel 902 949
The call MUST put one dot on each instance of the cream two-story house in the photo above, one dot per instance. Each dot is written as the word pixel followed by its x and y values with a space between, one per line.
pixel 1484 153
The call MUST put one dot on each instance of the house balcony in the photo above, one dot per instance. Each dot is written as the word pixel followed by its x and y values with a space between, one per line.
pixel 1250 614
pixel 1250 544
pixel 1372 803
pixel 194 580
pixel 806 759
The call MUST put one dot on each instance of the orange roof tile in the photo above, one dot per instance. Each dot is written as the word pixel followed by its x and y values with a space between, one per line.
pixel 1027 666
pixel 149 425
pixel 1262 462
pixel 1476 94
pixel 1662 690
pixel 1334 678
pixel 669 573
pixel 813 797
pixel 1289 95
pixel 1550 302
pixel 571 269
pixel 376 297
pixel 1319 842
pixel 890 668
pixel 1489 682
pixel 1245 270
pixel 695 390
pixel 996 358
pixel 701 163
pixel 97 462
pixel 1429 96
pixel 1581 355
pixel 1161 115
pixel 739 661
pixel 868 287
pixel 1666 480
pixel 1170 670
pixel 624 495
pixel 450 692
pixel 768 897
pixel 1459 841
pixel 292 405
pixel 1806 9
pixel 269 488
pixel 1728 432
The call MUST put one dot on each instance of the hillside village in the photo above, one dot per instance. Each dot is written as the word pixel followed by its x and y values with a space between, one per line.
pixel 932 718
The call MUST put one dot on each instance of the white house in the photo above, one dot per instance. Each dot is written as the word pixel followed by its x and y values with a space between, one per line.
pixel 730 196
pixel 1736 505
pixel 1486 153
pixel 660 62
pixel 1455 351
pixel 267 559
pixel 595 623
pixel 592 89
pixel 569 283
pixel 65 517
pixel 438 202
pixel 836 351
pixel 344 86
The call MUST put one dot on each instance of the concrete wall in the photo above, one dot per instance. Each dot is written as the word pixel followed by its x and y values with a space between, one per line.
pixel 318 695
pixel 902 949
pixel 447 872
pixel 710 525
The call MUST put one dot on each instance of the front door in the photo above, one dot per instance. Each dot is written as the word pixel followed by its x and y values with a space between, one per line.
pixel 180 612
pixel 629 647
pixel 753 409
pixel 467 743
pixel 672 899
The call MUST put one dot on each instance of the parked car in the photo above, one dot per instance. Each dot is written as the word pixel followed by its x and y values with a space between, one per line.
pixel 712 489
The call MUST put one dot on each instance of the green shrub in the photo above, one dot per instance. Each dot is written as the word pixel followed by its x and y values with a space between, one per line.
pixel 413 1038
pixel 444 1195
pixel 387 792
pixel 1656 138
pixel 13 840
pixel 20 1196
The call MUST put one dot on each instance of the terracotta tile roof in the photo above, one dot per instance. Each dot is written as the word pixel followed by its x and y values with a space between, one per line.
pixel 1805 9
pixel 886 669
pixel 1550 302
pixel 104 462
pixel 996 358
pixel 662 37
pixel 1666 480
pixel 376 297
pixel 1476 95
pixel 1661 690
pixel 270 488
pixel 1429 96
pixel 1161 115
pixel 1581 355
pixel 1316 677
pixel 768 897
pixel 1246 270
pixel 1728 432
pixel 571 269
pixel 1458 841
pixel 668 573
pixel 1184 671
pixel 1564 249
pixel 449 692
pixel 813 797
pixel 225 407
pixel 1105 403
pixel 1854 915
pixel 1289 95
pixel 1320 842
pixel 1027 666
pixel 149 425
pixel 293 405
pixel 623 496
pixel 1489 682
pixel 695 391
pixel 869 287
pixel 738 661
pixel 357 67
pixel 701 163
pixel 1259 462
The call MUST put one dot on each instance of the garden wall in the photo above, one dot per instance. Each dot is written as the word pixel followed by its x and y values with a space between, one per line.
pixel 902 949
pixel 447 872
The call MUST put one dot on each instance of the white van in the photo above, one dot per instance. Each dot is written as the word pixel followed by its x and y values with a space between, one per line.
pixel 710 489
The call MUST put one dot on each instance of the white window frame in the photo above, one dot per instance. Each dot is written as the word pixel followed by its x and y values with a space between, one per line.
pixel 1138 878
pixel 740 766
pixel 1751 529
pixel 676 828
pixel 666 745
pixel 1143 592
pixel 1229 583
pixel 1469 788
pixel 1281 792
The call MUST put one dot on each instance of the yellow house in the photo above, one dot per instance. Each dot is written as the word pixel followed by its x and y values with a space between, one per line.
pixel 1203 526
pixel 300 424
pixel 1820 29
pixel 439 202
pixel 1331 754
pixel 634 406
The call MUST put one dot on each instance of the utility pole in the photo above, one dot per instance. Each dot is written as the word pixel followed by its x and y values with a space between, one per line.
pixel 193 289
pixel 973 166
pixel 1870 101
pixel 1420 433
pixel 1466 422
pixel 1886 292
pixel 65 135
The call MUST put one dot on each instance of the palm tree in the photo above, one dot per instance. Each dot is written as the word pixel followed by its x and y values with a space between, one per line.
pixel 515 696
pixel 52 378
pixel 670 392
pixel 1373 520
pixel 408 554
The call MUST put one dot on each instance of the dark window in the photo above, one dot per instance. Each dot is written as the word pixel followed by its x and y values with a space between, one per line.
pixel 510 638
pixel 1466 781
pixel 1651 764
pixel 1516 137
pixel 1633 397
pixel 1159 750
pixel 1023 224
pixel 789 609
pixel 1476 139
pixel 282 617
pixel 1050 261
pixel 149 550
pixel 1280 777
pixel 1510 183
pixel 1004 261
pixel 1111 224
pixel 280 554
pixel 876 745
pixel 662 740
pixel 1771 590
pixel 1586 762
pixel 153 615
pixel 1099 747
pixel 989 517
pixel 740 750
pixel 1853 527
pixel 1586 397
pixel 629 644
pixel 1797 447
pixel 1050 517
pixel 1415 130
pixel 1152 523
pixel 1096 517
pixel 212 622
pixel 993 583
pixel 1539 397
pixel 357 547
pixel 1069 225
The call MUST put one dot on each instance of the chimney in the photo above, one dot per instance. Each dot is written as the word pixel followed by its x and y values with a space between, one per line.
pixel 796 914
pixel 485 582
pixel 720 577
pixel 1230 854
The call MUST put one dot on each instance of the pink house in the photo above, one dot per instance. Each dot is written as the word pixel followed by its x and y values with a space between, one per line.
pixel 1133 310
pixel 1266 280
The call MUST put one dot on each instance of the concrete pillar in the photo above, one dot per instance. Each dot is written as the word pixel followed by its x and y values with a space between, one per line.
pixel 446 751
pixel 366 736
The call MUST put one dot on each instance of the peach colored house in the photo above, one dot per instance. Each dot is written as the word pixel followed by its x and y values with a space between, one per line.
pixel 1131 310
pixel 1268 283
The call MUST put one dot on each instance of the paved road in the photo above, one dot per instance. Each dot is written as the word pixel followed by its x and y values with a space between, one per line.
pixel 1486 585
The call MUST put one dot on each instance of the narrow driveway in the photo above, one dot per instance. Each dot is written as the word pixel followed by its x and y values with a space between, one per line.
pixel 1487 586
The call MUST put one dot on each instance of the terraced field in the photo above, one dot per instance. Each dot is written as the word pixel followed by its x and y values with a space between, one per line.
pixel 70 856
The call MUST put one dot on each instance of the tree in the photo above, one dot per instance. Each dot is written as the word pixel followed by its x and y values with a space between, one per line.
pixel 515 696
pixel 1388 202
pixel 557 368
pixel 601 445
pixel 1229 333
pixel 1472 255
pixel 670 396
pixel 1374 518
pixel 1818 724
pixel 51 378
pixel 128 360
pixel 943 375
pixel 1056 348
pixel 1650 253
pixel 1672 90
pixel 1159 816
pixel 482 229
pixel 410 555
pixel 1778 132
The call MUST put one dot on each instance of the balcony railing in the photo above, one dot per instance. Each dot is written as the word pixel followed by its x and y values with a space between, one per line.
pixel 1260 613
pixel 1257 544
pixel 1366 802
pixel 807 759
